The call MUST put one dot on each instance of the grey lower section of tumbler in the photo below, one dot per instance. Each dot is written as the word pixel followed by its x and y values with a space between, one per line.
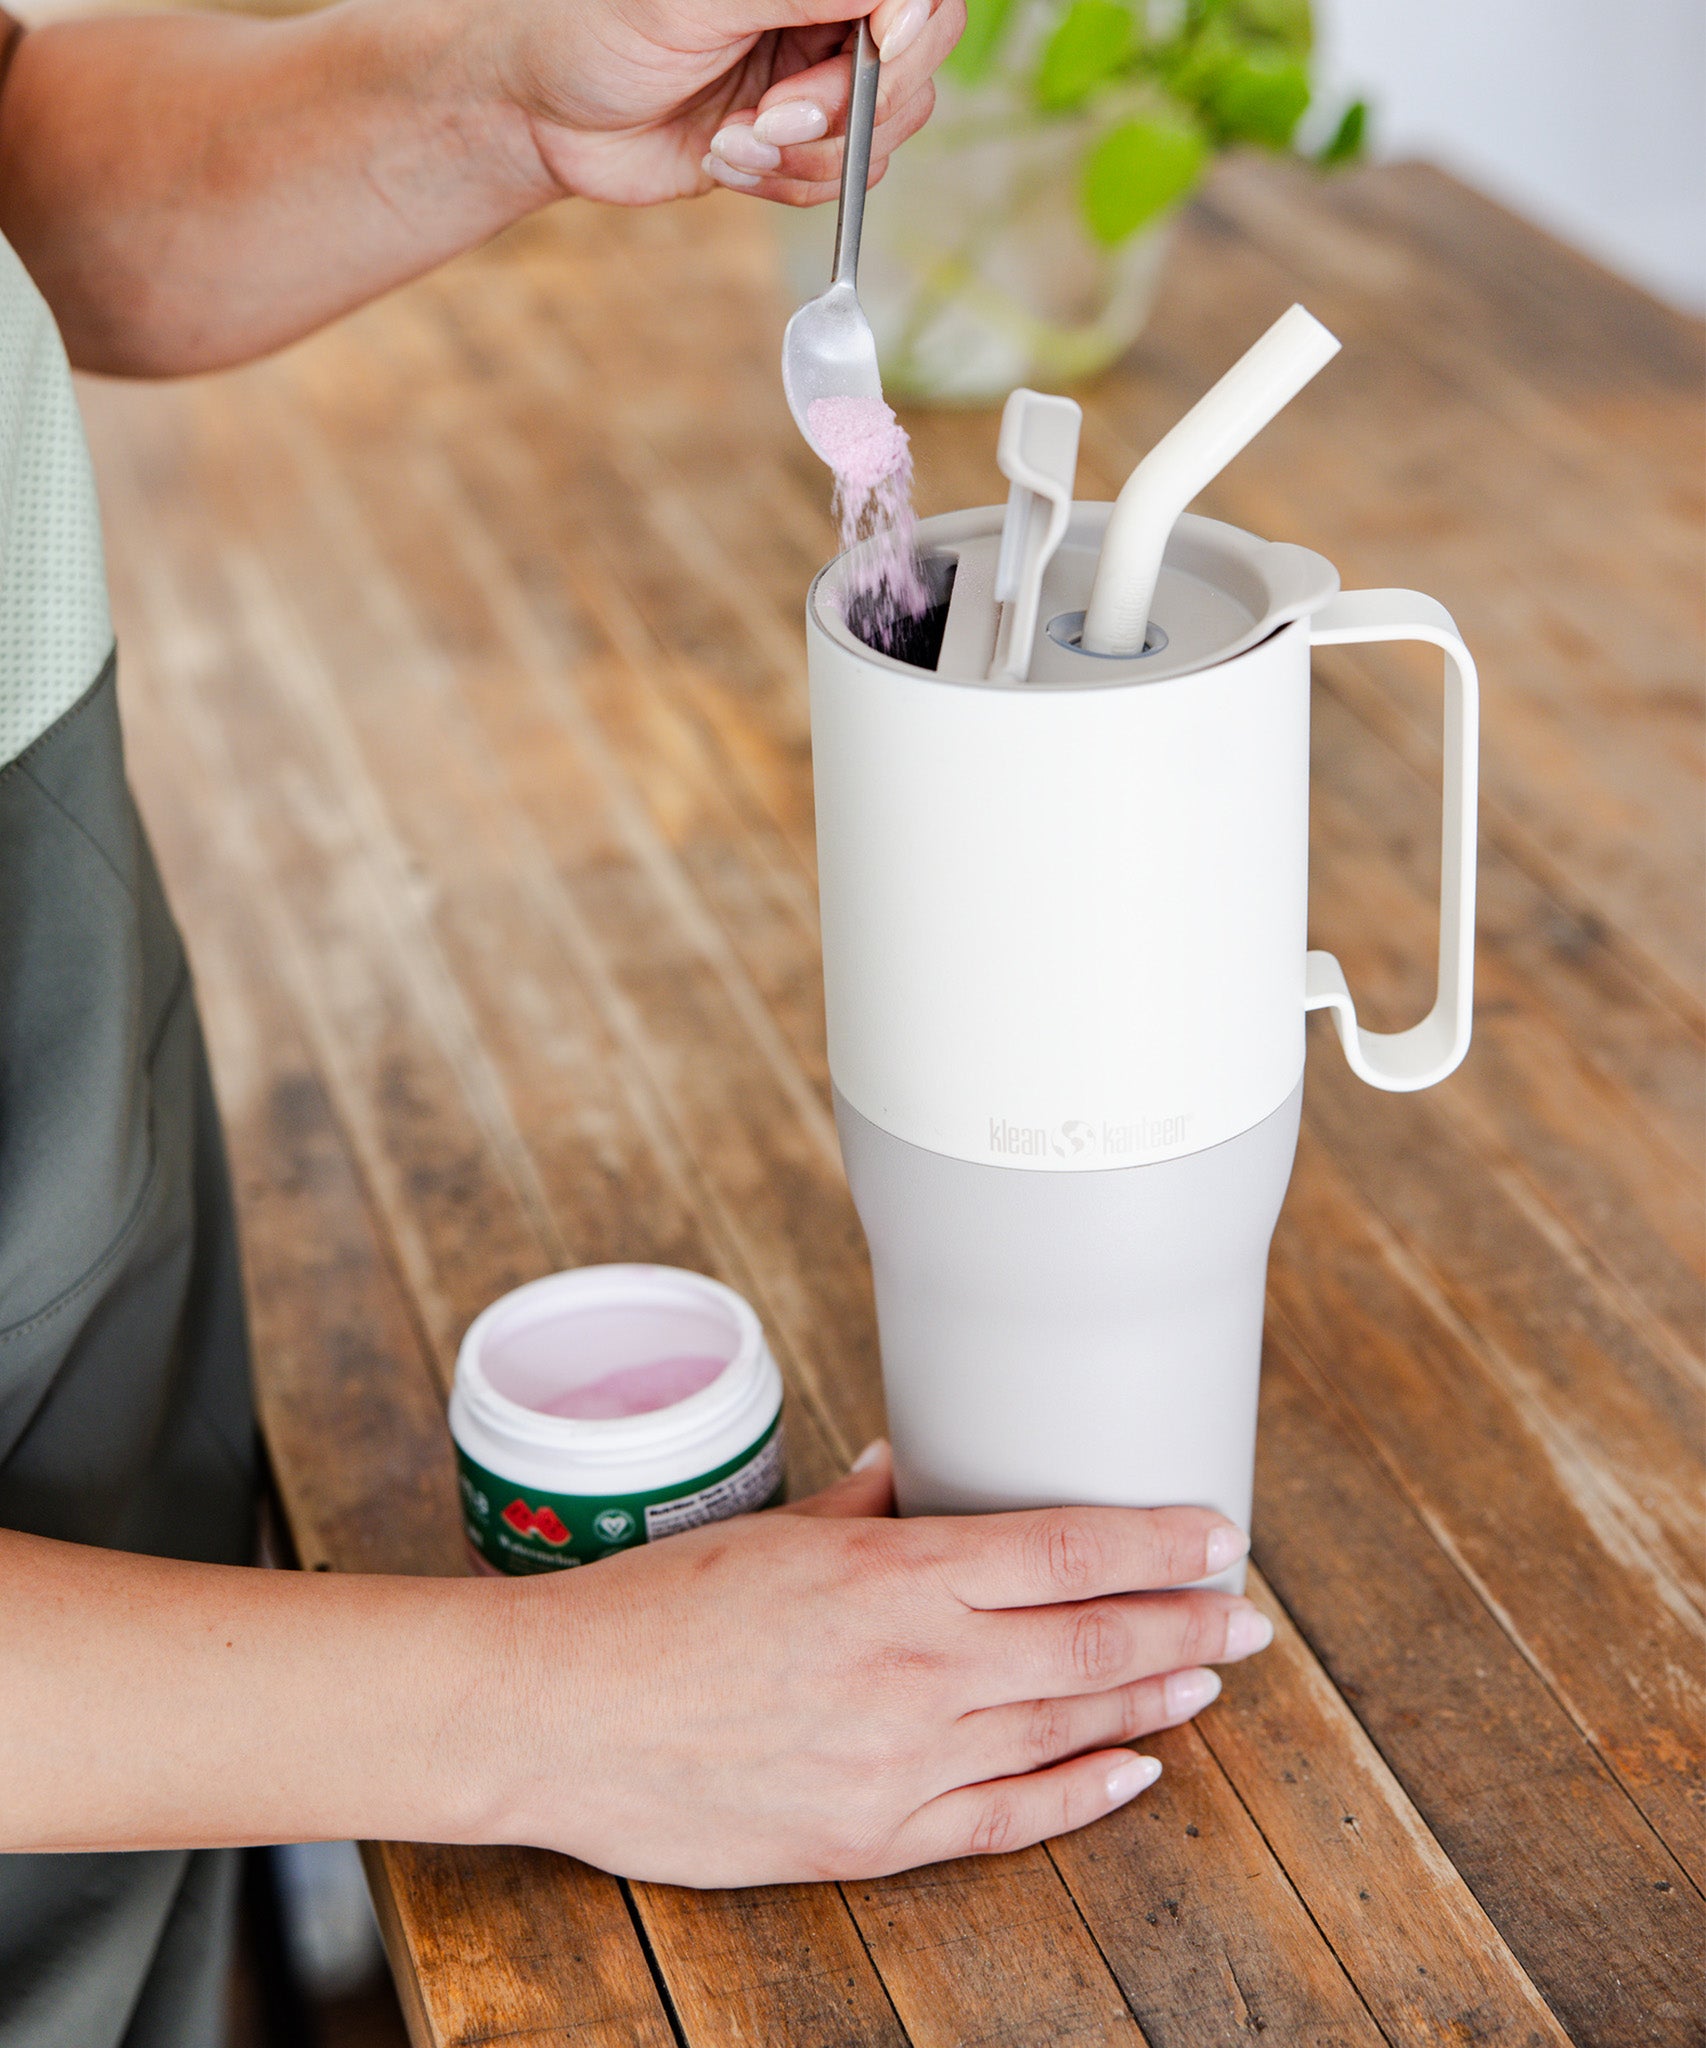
pixel 1071 1337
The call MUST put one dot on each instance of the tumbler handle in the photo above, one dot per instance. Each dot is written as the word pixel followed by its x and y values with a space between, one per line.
pixel 1428 1051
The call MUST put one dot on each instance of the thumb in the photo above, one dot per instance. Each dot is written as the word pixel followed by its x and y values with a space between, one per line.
pixel 868 1489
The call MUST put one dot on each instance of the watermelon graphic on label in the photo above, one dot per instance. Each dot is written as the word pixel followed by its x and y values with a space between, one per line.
pixel 545 1522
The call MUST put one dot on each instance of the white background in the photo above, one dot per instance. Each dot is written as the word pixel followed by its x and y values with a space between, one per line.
pixel 1588 117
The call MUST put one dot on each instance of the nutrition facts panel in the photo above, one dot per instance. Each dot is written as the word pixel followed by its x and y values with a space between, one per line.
pixel 755 1485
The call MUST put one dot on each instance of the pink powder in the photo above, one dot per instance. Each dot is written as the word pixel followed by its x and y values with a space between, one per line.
pixel 865 443
pixel 634 1389
pixel 869 451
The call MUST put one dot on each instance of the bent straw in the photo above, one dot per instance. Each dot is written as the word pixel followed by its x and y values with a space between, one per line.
pixel 1185 460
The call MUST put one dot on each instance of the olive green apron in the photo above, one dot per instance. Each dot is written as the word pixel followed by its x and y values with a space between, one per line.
pixel 125 1416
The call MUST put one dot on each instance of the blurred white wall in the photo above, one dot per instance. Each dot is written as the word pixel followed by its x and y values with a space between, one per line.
pixel 1586 116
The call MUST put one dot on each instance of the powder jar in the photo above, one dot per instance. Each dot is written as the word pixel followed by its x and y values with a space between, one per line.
pixel 542 1491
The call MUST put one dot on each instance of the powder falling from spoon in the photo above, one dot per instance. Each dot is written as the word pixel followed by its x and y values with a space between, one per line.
pixel 868 449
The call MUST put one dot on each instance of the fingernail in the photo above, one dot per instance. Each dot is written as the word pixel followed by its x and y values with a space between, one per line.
pixel 1188 1692
pixel 1226 1545
pixel 868 1456
pixel 745 149
pixel 726 174
pixel 1248 1630
pixel 903 32
pixel 1127 1780
pixel 792 121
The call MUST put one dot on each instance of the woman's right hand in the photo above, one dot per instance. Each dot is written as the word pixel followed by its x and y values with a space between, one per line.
pixel 658 99
pixel 827 1692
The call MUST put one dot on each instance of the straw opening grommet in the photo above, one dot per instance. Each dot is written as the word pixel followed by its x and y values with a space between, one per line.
pixel 1066 629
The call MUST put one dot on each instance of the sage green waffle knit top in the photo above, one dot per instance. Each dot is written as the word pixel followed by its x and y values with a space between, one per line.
pixel 125 1419
pixel 55 629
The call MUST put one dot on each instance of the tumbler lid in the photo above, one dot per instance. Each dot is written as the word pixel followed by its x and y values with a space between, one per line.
pixel 1220 591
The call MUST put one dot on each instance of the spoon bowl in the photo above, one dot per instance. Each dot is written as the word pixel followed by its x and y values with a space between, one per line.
pixel 828 351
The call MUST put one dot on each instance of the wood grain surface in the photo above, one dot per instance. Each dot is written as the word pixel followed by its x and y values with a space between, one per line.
pixel 462 669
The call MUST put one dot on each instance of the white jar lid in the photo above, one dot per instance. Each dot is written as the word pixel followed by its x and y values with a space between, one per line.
pixel 535 1347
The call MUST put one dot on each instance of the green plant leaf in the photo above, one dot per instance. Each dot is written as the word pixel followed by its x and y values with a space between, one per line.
pixel 975 52
pixel 1258 96
pixel 1349 137
pixel 1091 44
pixel 1289 23
pixel 1135 172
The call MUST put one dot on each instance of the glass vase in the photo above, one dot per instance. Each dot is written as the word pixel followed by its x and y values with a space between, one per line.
pixel 976 271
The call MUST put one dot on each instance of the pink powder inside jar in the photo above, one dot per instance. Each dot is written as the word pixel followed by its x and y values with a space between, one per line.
pixel 868 449
pixel 634 1389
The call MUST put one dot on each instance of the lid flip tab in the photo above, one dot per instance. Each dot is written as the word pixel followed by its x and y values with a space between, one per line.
pixel 1038 454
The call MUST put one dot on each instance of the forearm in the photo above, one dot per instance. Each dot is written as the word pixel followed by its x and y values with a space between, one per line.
pixel 816 1692
pixel 190 191
pixel 151 1704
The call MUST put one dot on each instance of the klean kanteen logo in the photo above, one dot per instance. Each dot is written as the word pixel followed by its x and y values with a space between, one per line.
pixel 1078 1139
pixel 1146 1134
pixel 1018 1141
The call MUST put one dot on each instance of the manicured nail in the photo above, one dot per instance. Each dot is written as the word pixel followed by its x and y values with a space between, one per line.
pixel 745 149
pixel 868 1456
pixel 903 30
pixel 792 121
pixel 726 174
pixel 1226 1545
pixel 1248 1630
pixel 1188 1692
pixel 1127 1780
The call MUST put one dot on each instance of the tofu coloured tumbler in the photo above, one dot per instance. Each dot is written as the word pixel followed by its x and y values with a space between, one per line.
pixel 1066 972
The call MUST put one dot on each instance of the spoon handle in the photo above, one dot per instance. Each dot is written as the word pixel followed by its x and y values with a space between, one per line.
pixel 856 163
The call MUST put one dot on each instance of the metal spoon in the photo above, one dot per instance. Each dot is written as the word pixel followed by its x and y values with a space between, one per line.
pixel 828 350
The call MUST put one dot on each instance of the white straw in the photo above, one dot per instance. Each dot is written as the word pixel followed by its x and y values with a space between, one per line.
pixel 1184 461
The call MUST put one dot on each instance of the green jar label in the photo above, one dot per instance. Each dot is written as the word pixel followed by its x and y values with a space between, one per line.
pixel 520 1529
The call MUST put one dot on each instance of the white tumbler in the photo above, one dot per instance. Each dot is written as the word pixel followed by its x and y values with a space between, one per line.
pixel 1066 974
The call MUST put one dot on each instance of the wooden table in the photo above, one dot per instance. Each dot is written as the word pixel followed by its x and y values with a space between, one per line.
pixel 463 678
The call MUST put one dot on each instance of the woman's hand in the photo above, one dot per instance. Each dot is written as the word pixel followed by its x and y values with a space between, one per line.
pixel 190 190
pixel 658 99
pixel 825 1692
pixel 818 1692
